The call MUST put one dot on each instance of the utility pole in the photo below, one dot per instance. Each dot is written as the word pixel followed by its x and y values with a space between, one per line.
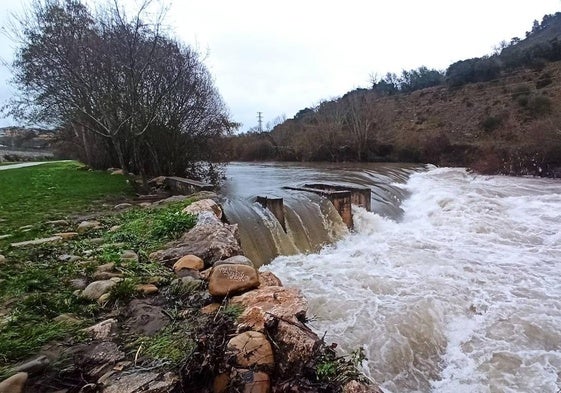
pixel 260 121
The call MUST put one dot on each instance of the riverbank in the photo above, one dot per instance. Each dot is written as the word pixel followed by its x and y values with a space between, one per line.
pixel 95 305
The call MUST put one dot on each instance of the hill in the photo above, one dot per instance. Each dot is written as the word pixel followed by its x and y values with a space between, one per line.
pixel 497 114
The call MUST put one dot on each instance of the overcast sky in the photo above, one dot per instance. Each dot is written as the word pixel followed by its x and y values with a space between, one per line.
pixel 279 57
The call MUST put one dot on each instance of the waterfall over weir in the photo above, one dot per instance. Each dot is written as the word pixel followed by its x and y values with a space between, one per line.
pixel 311 221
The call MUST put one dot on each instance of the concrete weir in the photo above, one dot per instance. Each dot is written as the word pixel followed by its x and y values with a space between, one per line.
pixel 340 196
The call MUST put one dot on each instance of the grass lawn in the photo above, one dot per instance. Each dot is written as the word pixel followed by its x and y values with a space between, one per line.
pixel 35 281
pixel 53 191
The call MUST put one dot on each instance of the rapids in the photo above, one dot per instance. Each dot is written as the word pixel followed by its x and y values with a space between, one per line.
pixel 459 293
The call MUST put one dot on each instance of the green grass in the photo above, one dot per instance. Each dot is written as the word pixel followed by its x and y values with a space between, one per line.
pixel 52 191
pixel 35 282
pixel 149 229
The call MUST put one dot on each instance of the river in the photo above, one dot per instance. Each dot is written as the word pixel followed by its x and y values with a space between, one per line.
pixel 451 284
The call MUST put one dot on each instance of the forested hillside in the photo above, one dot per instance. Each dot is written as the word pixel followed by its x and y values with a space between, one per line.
pixel 497 114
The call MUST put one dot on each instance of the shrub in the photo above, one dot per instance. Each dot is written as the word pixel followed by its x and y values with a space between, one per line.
pixel 544 81
pixel 539 105
pixel 491 123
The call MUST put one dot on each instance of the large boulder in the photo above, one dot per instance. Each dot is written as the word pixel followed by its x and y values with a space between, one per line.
pixel 279 313
pixel 267 303
pixel 210 239
pixel 227 280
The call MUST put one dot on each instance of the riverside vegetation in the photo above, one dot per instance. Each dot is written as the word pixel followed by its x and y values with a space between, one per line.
pixel 115 301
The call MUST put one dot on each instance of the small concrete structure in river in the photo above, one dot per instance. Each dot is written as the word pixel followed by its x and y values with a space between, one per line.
pixel 341 197
pixel 185 186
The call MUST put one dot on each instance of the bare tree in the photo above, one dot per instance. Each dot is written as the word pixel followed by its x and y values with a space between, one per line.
pixel 120 79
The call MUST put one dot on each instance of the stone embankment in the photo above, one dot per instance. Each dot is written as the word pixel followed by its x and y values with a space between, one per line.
pixel 268 348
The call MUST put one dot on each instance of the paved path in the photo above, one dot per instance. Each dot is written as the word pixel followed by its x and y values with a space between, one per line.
pixel 24 164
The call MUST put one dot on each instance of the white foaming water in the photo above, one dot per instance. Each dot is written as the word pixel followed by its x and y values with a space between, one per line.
pixel 462 295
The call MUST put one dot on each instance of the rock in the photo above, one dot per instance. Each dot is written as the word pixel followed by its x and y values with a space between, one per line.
pixel 145 318
pixel 58 223
pixel 189 262
pixel 2 237
pixel 268 279
pixel 86 226
pixel 204 205
pixel 146 289
pixel 189 273
pixel 101 354
pixel 105 272
pixel 227 280
pixel 97 288
pixel 117 172
pixel 157 181
pixel 235 260
pixel 100 276
pixel 205 274
pixel 14 384
pixel 69 258
pixel 67 235
pixel 102 330
pixel 25 227
pixel 146 382
pixel 358 387
pixel 129 256
pixel 106 267
pixel 97 240
pixel 251 349
pixel 266 303
pixel 33 366
pixel 35 242
pixel 2 259
pixel 210 308
pixel 210 239
pixel 78 283
pixel 145 204
pixel 114 228
pixel 220 383
pixel 103 299
pixel 123 206
pixel 255 381
pixel 279 312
